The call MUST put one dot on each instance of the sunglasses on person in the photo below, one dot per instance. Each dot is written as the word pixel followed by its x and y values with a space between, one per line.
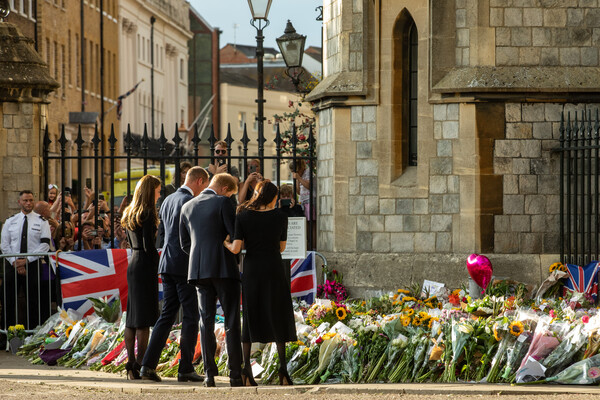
pixel 220 151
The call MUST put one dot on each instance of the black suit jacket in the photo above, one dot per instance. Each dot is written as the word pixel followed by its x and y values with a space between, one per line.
pixel 173 260
pixel 205 223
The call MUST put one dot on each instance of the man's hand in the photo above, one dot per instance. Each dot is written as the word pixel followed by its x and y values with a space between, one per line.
pixel 20 265
pixel 221 168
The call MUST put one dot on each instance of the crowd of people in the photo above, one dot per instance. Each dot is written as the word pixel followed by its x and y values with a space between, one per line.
pixel 201 228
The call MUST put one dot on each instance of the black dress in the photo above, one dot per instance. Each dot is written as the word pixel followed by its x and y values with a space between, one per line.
pixel 142 277
pixel 266 300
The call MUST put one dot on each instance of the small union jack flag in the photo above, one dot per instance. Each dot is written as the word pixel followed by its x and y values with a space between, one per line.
pixel 304 278
pixel 583 279
pixel 122 97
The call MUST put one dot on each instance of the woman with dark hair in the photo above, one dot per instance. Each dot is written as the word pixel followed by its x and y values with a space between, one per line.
pixel 140 219
pixel 268 315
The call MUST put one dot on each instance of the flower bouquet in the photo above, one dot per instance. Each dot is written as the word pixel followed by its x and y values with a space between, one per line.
pixel 16 336
pixel 460 333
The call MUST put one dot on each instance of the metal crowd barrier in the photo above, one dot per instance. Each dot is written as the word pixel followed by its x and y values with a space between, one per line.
pixel 13 283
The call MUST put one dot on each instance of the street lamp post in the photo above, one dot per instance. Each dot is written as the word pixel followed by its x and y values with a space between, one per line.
pixel 291 45
pixel 260 12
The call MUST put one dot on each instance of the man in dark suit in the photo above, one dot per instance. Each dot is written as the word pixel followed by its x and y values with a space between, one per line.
pixel 173 267
pixel 205 223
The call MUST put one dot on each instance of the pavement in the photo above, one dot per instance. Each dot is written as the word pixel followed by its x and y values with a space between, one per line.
pixel 17 369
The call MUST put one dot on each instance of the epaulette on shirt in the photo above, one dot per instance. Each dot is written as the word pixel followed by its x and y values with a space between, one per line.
pixel 43 219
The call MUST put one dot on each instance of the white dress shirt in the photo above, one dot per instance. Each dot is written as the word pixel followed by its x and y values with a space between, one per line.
pixel 38 235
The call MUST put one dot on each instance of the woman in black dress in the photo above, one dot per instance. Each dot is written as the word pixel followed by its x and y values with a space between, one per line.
pixel 266 300
pixel 140 219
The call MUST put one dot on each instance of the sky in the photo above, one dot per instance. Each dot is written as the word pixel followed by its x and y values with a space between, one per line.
pixel 225 13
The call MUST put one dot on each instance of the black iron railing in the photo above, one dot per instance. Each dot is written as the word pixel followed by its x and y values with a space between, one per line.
pixel 579 192
pixel 163 152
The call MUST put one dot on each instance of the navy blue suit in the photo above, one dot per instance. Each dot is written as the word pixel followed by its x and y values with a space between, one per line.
pixel 205 223
pixel 173 266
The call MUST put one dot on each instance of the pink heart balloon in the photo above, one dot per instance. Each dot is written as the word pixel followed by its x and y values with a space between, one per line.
pixel 480 269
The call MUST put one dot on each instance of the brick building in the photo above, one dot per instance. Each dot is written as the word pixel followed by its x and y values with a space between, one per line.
pixel 437 121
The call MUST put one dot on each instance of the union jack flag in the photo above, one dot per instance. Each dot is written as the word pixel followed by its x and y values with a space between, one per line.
pixel 122 97
pixel 583 279
pixel 93 273
pixel 304 278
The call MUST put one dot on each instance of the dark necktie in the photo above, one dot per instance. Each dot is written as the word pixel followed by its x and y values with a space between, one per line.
pixel 24 237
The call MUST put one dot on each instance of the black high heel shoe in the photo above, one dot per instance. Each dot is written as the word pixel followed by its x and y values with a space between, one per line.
pixel 133 370
pixel 247 378
pixel 284 378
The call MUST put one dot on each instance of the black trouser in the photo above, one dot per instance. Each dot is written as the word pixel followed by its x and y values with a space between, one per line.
pixel 228 293
pixel 26 309
pixel 177 292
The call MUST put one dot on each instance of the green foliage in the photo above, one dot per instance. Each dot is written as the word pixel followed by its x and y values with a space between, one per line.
pixel 109 311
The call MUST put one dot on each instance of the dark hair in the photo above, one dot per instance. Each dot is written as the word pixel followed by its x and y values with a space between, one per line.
pixel 26 191
pixel 264 193
pixel 185 165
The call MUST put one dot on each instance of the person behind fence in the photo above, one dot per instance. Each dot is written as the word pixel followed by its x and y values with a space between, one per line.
pixel 205 222
pixel 253 176
pixel 25 232
pixel 52 194
pixel 140 219
pixel 287 203
pixel 219 164
pixel 268 314
pixel 173 268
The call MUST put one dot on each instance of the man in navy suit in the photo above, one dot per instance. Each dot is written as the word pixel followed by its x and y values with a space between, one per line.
pixel 173 267
pixel 205 223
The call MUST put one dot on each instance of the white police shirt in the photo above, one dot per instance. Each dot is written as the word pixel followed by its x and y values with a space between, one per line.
pixel 38 235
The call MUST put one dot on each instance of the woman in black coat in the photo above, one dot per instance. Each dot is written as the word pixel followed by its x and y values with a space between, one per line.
pixel 140 219
pixel 268 315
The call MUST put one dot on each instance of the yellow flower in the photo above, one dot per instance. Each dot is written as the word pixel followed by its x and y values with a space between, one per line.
pixel 19 327
pixel 430 299
pixel 496 333
pixel 341 313
pixel 405 321
pixel 417 321
pixel 404 291
pixel 11 328
pixel 423 314
pixel 364 303
pixel 429 304
pixel 395 296
pixel 408 311
pixel 68 330
pixel 515 328
pixel 456 292
pixel 557 266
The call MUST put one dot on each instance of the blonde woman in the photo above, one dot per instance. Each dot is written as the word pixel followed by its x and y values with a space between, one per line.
pixel 140 220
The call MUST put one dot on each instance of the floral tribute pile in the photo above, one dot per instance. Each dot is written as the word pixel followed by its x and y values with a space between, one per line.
pixel 510 335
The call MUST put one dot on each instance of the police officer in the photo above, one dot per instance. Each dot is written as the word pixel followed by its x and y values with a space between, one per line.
pixel 25 232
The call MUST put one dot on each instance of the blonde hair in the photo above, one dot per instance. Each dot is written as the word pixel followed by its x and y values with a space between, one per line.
pixel 143 204
pixel 222 180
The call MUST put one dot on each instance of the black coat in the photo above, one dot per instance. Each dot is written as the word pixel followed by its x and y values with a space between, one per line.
pixel 205 223
pixel 173 260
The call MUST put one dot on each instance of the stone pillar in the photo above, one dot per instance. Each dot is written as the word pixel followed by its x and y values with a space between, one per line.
pixel 24 87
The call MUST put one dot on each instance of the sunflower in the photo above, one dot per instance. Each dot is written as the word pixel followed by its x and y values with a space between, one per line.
pixel 405 321
pixel 563 268
pixel 557 266
pixel 68 330
pixel 496 333
pixel 341 313
pixel 403 291
pixel 417 321
pixel 408 311
pixel 515 328
pixel 429 304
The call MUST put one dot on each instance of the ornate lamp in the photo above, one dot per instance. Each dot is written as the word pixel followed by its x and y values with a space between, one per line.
pixel 291 45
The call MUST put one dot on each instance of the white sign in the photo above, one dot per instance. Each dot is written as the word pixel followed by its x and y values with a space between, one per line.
pixel 296 239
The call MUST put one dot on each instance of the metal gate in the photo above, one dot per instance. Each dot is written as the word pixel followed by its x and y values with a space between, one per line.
pixel 288 147
pixel 579 190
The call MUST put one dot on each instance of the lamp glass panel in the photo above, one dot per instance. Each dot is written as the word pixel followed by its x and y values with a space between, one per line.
pixel 260 8
pixel 291 52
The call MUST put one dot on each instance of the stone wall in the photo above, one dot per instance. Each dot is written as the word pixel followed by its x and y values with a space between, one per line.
pixel 492 84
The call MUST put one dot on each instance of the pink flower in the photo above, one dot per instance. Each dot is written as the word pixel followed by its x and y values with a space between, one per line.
pixel 552 314
pixel 585 319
